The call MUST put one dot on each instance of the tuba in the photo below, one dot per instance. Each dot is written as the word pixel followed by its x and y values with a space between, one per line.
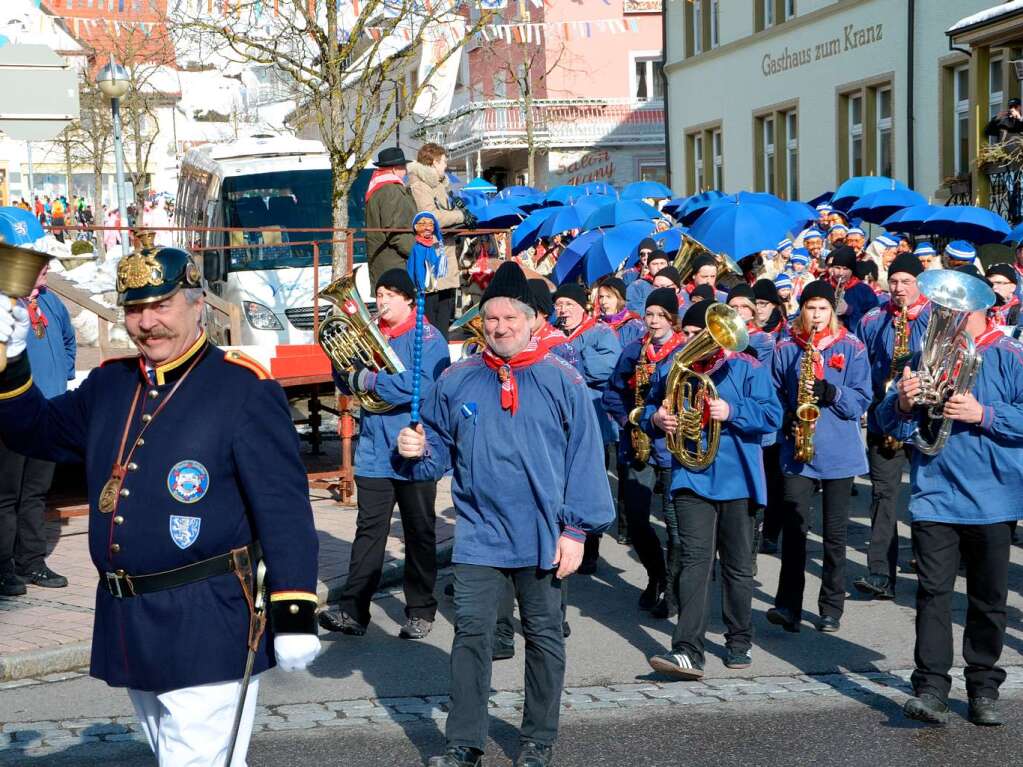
pixel 693 444
pixel 350 338
pixel 472 321
pixel 807 409
pixel 691 249
pixel 949 362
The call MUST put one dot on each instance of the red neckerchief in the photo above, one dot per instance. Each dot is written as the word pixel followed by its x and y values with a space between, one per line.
pixel 822 340
pixel 991 334
pixel 428 240
pixel 648 277
pixel 914 309
pixel 381 177
pixel 37 318
pixel 533 352
pixel 548 337
pixel 656 354
pixel 689 287
pixel 1001 313
pixel 709 364
pixel 617 320
pixel 586 324
pixel 778 328
pixel 753 327
pixel 852 282
pixel 393 331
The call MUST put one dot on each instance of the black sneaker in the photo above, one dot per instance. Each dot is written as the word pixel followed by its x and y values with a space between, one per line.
pixel 651 595
pixel 416 628
pixel 739 659
pixel 339 620
pixel 678 665
pixel 458 756
pixel 780 616
pixel 503 651
pixel 534 755
pixel 877 586
pixel 11 585
pixel 44 577
pixel 927 707
pixel 829 624
pixel 984 712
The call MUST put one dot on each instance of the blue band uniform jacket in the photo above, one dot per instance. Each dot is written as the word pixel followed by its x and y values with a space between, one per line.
pixel 620 399
pixel 217 469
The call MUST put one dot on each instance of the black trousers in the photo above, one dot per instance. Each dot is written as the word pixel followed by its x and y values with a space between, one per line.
pixel 440 308
pixel 638 497
pixel 376 497
pixel 24 483
pixel 798 495
pixel 706 527
pixel 478 590
pixel 885 479
pixel 774 510
pixel 985 549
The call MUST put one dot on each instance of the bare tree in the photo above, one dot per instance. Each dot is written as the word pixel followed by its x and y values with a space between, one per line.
pixel 354 67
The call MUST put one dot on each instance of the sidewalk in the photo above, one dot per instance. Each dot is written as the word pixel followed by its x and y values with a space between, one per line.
pixel 50 630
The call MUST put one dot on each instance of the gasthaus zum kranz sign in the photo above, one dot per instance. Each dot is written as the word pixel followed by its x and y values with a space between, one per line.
pixel 851 39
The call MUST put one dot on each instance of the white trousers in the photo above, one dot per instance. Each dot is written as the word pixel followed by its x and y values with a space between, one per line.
pixel 191 727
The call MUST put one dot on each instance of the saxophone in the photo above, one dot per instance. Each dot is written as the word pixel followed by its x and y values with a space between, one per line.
pixel 807 411
pixel 900 350
pixel 641 444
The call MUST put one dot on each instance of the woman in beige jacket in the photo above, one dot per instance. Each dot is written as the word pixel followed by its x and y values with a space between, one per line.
pixel 428 181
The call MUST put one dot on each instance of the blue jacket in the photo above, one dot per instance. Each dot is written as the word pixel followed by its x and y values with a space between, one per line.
pixel 877 332
pixel 635 295
pixel 685 299
pixel 738 470
pixel 598 351
pixel 977 479
pixel 228 430
pixel 629 331
pixel 52 357
pixel 860 299
pixel 838 448
pixel 520 481
pixel 761 346
pixel 630 275
pixel 375 455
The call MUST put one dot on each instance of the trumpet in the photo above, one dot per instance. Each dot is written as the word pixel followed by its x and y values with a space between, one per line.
pixel 694 445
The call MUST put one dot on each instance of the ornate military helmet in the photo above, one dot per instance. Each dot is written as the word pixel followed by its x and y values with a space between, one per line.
pixel 151 274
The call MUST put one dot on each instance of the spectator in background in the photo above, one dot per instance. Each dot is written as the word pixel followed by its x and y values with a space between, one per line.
pixel 1006 124
pixel 24 482
pixel 389 205
pixel 111 235
pixel 57 219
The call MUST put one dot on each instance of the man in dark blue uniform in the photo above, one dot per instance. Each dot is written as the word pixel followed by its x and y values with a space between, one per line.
pixel 194 476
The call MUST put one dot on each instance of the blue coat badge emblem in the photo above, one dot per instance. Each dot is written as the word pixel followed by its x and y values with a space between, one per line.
pixel 188 481
pixel 184 530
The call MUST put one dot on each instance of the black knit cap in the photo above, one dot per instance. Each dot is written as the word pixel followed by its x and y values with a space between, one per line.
pixel 666 298
pixel 574 291
pixel 399 281
pixel 540 297
pixel 843 255
pixel 672 274
pixel 647 244
pixel 765 290
pixel 696 314
pixel 864 268
pixel 614 283
pixel 742 290
pixel 818 289
pixel 705 292
pixel 906 262
pixel 508 281
pixel 658 254
pixel 703 261
pixel 1004 270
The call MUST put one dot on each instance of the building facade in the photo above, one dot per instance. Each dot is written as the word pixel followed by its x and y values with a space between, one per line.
pixel 794 96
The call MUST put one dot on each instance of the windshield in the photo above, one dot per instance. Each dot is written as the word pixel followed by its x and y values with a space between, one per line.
pixel 291 199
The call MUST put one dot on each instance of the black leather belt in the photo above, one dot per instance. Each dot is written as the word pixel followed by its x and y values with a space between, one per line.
pixel 121 585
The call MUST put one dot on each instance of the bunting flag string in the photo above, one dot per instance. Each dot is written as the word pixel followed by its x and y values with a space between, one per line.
pixel 530 33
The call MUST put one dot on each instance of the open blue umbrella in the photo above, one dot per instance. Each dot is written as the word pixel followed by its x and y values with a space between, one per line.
pixel 588 203
pixel 570 262
pixel 615 213
pixel 967 222
pixel 564 219
pixel 619 248
pixel 527 202
pixel 1014 237
pixel 824 197
pixel 480 185
pixel 497 214
pixel 696 204
pixel 564 194
pixel 739 230
pixel 860 186
pixel 671 240
pixel 877 206
pixel 672 206
pixel 909 220
pixel 642 190
pixel 801 213
pixel 517 191
pixel 527 233
pixel 598 187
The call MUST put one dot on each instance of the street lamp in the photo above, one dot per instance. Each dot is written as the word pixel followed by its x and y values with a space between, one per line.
pixel 113 81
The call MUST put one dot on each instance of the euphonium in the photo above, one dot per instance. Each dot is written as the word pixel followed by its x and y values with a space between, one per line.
pixel 692 444
pixel 807 409
pixel 472 320
pixel 349 337
pixel 949 362
pixel 641 444
pixel 691 249
pixel 900 350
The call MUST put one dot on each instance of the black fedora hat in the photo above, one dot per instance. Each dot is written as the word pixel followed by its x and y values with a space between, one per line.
pixel 391 157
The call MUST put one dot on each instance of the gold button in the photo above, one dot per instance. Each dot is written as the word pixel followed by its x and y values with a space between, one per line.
pixel 293 609
pixel 153 394
pixel 114 548
pixel 140 442
pixel 147 418
pixel 118 520
pixel 133 466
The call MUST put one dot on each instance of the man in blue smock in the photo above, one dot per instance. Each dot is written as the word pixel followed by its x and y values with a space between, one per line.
pixel 964 504
pixel 24 481
pixel 853 297
pixel 518 427
pixel 380 477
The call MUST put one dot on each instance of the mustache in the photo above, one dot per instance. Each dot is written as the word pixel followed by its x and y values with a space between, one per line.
pixel 153 335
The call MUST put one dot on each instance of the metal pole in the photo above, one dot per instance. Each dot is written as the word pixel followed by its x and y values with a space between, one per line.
pixel 31 180
pixel 115 108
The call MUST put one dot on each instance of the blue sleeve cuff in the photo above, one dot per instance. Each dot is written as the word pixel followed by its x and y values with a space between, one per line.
pixel 989 418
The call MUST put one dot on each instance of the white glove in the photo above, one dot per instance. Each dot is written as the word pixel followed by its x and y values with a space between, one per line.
pixel 14 326
pixel 296 651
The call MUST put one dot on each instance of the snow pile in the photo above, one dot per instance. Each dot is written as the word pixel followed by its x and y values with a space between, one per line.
pixel 989 14
pixel 95 278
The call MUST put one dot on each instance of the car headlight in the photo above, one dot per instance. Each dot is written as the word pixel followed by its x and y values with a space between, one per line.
pixel 260 317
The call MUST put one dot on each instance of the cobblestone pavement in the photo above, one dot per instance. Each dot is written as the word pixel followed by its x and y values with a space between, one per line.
pixel 41 738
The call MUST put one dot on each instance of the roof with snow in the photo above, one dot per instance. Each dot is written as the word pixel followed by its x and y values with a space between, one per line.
pixel 987 16
pixel 22 22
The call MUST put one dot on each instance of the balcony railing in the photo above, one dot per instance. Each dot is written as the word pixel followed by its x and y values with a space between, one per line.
pixel 556 123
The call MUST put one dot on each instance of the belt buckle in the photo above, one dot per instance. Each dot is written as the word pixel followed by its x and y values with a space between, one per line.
pixel 114 585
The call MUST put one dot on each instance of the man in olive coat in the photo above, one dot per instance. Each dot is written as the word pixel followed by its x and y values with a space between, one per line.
pixel 389 205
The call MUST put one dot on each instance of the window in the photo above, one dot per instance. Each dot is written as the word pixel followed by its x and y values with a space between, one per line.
pixel 769 15
pixel 500 84
pixel 700 25
pixel 704 159
pixel 652 170
pixel 698 163
pixel 719 160
pixel 697 28
pixel 767 152
pixel 792 155
pixel 790 9
pixel 715 33
pixel 884 132
pixel 855 140
pixel 649 78
pixel 995 87
pixel 776 151
pixel 961 119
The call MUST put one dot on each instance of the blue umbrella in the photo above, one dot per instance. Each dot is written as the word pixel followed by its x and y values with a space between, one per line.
pixel 517 191
pixel 825 197
pixel 1014 237
pixel 564 219
pixel 588 203
pixel 24 222
pixel 860 186
pixel 801 213
pixel 615 213
pixel 877 206
pixel 528 232
pixel 671 240
pixel 619 248
pixel 497 214
pixel 967 222
pixel 641 190
pixel 695 205
pixel 671 207
pixel 471 197
pixel 452 178
pixel 480 185
pixel 570 262
pixel 528 202
pixel 909 220
pixel 798 213
pixel 739 230
pixel 598 187
pixel 564 194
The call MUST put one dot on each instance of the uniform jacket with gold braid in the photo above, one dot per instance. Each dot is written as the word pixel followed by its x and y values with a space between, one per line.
pixel 219 468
